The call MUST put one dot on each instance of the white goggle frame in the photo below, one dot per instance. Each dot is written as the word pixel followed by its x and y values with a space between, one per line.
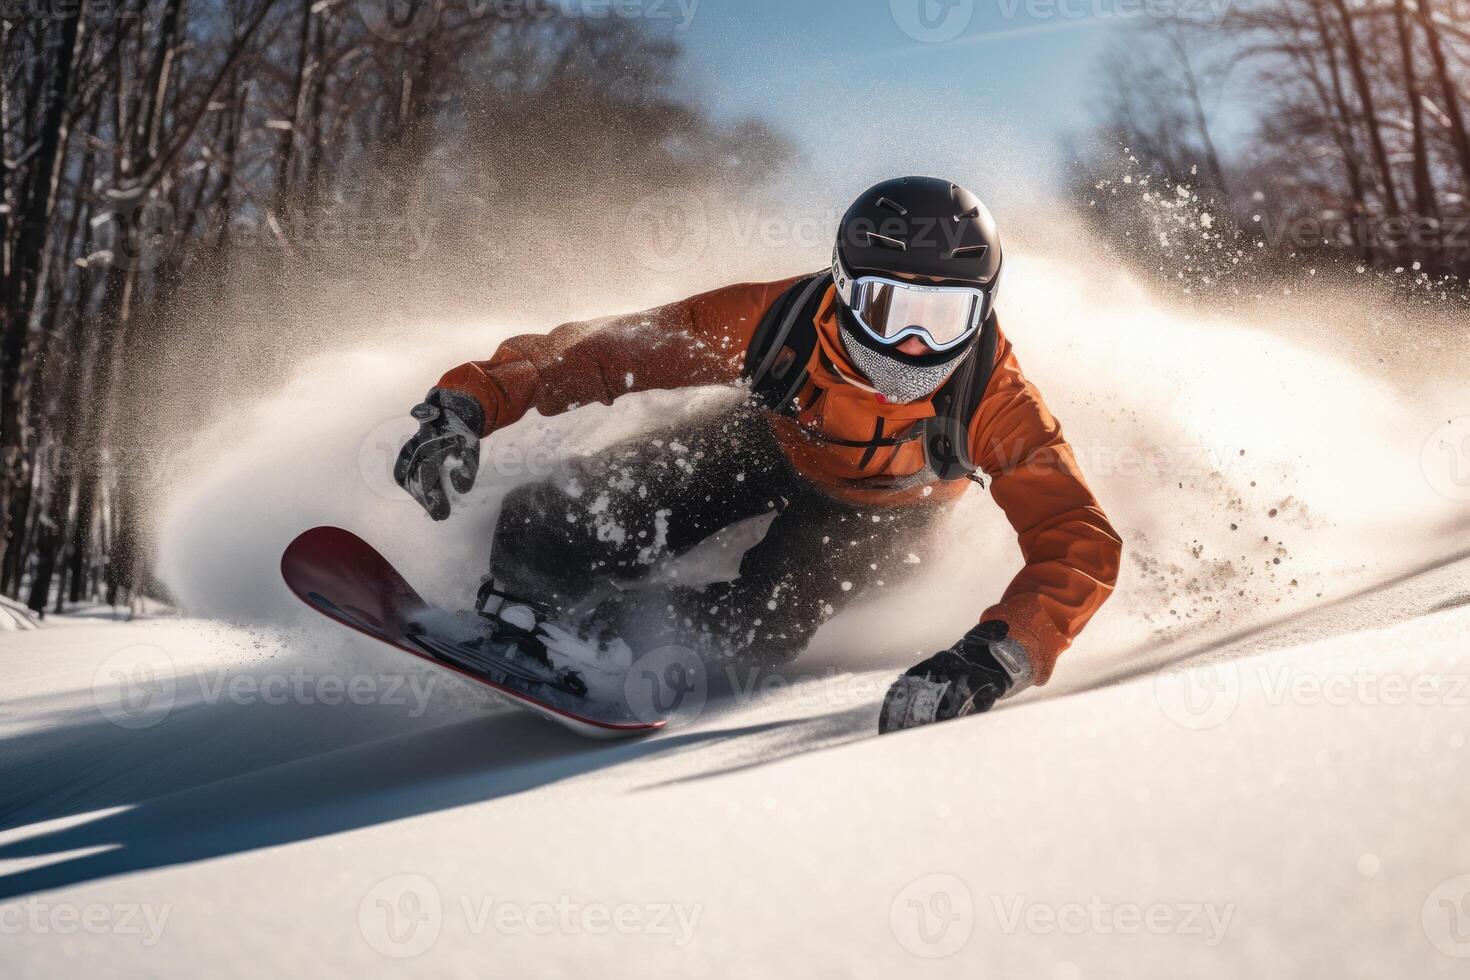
pixel 849 287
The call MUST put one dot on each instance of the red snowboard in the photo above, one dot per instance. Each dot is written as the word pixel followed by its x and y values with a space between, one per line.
pixel 345 579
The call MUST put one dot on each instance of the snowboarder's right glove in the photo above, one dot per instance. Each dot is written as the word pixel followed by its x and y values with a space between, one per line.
pixel 447 444
pixel 967 679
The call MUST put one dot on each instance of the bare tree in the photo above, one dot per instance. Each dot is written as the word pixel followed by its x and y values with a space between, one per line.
pixel 153 157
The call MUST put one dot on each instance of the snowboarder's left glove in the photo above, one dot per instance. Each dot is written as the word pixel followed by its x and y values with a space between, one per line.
pixel 968 678
pixel 450 423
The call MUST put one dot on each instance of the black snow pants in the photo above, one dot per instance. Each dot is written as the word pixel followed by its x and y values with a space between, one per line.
pixel 621 516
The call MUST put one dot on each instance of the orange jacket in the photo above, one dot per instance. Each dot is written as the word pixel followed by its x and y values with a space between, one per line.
pixel 1071 552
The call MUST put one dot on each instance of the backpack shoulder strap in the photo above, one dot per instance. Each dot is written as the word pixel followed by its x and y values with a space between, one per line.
pixel 781 348
pixel 947 442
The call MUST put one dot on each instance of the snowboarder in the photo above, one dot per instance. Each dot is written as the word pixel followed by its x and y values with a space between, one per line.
pixel 878 390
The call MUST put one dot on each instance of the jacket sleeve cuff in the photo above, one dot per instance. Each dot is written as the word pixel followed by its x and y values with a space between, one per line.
pixel 1029 624
pixel 505 391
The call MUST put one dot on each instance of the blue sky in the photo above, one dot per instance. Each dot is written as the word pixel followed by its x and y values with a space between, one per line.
pixel 845 77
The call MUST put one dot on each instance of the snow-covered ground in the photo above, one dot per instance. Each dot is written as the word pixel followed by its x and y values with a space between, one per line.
pixel 1253 762
pixel 292 805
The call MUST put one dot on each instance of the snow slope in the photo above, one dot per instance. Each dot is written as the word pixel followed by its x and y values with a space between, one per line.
pixel 15 616
pixel 251 791
pixel 1283 806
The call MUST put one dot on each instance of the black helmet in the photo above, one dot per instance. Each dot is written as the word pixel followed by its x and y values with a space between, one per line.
pixel 921 227
pixel 915 257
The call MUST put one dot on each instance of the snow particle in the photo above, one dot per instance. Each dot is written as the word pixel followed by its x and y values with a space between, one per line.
pixel 1368 865
pixel 846 586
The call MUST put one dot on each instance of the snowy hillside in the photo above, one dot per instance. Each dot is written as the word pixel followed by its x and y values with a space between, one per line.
pixel 1285 807
pixel 1253 762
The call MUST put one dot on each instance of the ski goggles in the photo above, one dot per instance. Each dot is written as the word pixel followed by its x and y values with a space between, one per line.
pixel 891 310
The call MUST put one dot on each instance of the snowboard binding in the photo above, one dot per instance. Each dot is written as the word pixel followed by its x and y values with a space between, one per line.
pixel 515 622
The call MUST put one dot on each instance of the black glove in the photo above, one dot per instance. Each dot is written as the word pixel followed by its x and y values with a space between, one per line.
pixel 966 679
pixel 450 423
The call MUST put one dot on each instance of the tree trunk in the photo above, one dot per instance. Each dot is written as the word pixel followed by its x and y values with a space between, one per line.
pixel 1359 72
pixel 70 405
pixel 38 201
pixel 5 154
pixel 1449 91
pixel 314 112
pixel 1346 138
pixel 79 550
pixel 286 153
pixel 1424 204
pixel 1197 108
